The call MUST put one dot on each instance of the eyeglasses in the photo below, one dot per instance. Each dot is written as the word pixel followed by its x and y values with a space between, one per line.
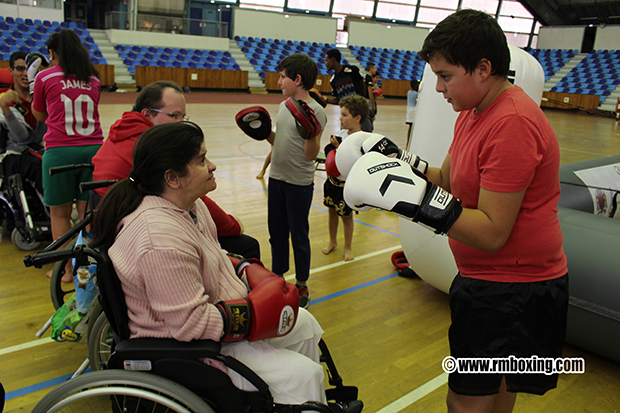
pixel 176 115
pixel 19 68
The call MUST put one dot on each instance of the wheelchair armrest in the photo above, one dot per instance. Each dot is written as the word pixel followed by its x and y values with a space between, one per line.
pixel 158 348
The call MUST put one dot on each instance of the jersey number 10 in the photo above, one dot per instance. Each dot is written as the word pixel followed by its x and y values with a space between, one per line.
pixel 74 114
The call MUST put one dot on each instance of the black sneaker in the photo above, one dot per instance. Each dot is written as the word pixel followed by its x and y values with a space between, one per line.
pixel 304 295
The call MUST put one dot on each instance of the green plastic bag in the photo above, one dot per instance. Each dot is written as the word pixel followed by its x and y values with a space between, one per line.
pixel 68 324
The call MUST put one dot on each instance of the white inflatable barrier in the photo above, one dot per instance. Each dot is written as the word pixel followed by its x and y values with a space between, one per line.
pixel 591 242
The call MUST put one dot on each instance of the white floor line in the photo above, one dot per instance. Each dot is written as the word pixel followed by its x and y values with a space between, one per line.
pixel 340 263
pixel 417 394
pixel 23 346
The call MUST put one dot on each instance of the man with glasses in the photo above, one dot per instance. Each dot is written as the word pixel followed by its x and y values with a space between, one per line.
pixel 158 103
pixel 21 135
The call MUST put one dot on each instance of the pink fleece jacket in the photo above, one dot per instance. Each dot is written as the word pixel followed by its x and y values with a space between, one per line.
pixel 173 271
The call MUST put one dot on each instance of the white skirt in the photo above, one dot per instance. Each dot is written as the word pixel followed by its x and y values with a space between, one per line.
pixel 290 365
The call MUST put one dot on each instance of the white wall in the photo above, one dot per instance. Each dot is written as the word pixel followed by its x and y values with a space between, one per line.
pixel 272 25
pixel 560 37
pixel 167 40
pixel 29 12
pixel 608 38
pixel 362 33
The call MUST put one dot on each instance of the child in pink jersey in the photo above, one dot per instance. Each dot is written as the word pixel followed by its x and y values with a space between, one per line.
pixel 66 98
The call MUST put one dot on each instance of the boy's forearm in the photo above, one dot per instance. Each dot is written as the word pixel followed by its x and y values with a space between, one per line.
pixel 312 147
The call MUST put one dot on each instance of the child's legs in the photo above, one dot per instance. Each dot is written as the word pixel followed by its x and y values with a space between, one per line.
pixel 347 224
pixel 277 221
pixel 298 201
pixel 333 226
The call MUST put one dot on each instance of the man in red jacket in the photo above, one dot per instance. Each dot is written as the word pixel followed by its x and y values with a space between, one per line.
pixel 158 103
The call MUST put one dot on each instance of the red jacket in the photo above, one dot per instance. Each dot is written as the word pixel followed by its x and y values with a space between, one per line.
pixel 114 159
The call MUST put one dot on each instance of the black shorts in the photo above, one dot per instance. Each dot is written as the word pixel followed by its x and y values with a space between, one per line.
pixel 498 320
pixel 333 197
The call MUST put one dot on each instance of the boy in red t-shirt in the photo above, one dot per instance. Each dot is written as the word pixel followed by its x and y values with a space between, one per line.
pixel 496 197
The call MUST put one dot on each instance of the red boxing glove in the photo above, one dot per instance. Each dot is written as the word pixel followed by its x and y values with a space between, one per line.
pixel 330 164
pixel 269 310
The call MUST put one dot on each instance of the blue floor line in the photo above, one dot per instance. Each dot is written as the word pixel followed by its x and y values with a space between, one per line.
pixel 35 387
pixel 53 382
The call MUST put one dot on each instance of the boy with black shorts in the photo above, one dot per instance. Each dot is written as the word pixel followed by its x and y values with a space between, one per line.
pixel 511 295
pixel 353 112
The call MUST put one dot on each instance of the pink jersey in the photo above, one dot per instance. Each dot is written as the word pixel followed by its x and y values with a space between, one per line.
pixel 71 106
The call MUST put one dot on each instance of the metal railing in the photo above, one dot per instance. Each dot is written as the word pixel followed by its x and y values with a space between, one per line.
pixel 166 24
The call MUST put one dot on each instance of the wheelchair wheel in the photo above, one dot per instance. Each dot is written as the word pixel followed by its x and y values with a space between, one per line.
pixel 121 391
pixel 59 292
pixel 100 340
pixel 22 242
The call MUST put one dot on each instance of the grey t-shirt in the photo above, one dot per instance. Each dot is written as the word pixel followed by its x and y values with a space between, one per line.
pixel 288 160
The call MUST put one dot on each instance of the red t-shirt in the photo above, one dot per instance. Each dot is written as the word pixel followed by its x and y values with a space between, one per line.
pixel 72 107
pixel 509 147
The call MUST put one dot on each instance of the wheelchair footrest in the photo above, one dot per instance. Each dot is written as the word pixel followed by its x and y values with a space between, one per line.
pixel 342 394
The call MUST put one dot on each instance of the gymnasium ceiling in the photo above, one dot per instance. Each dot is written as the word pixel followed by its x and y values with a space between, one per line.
pixel 574 12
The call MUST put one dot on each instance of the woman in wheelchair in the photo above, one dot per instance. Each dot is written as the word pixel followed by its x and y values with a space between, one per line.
pixel 180 284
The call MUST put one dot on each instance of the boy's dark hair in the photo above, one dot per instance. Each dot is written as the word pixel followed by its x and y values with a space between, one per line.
pixel 16 56
pixel 300 64
pixel 335 53
pixel 414 84
pixel 151 95
pixel 369 66
pixel 356 105
pixel 72 55
pixel 466 37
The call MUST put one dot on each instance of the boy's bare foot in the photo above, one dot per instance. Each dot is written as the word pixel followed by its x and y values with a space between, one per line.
pixel 67 277
pixel 329 248
pixel 348 255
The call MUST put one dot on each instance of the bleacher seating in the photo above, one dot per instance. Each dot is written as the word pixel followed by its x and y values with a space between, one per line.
pixel 265 54
pixel 31 36
pixel 390 63
pixel 552 60
pixel 174 57
pixel 596 74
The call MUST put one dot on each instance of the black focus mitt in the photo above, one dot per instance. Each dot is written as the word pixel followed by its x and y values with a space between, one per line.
pixel 254 122
pixel 308 125
pixel 316 95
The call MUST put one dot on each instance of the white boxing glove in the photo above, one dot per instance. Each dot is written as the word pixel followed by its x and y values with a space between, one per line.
pixel 359 143
pixel 391 184
pixel 350 150
pixel 385 146
pixel 34 61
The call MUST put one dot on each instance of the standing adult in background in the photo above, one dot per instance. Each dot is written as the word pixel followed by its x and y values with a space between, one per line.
pixel 412 103
pixel 346 81
pixel 66 98
pixel 22 130
pixel 371 69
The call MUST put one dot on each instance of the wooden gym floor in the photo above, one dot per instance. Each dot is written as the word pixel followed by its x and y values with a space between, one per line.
pixel 387 334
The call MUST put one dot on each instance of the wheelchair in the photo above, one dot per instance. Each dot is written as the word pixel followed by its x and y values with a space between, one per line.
pixel 158 375
pixel 22 212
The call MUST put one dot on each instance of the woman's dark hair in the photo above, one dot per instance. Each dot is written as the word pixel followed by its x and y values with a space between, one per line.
pixel 170 146
pixel 72 55
pixel 466 37
pixel 151 95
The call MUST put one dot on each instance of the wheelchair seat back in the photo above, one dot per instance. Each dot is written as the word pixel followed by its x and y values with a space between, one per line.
pixel 181 362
